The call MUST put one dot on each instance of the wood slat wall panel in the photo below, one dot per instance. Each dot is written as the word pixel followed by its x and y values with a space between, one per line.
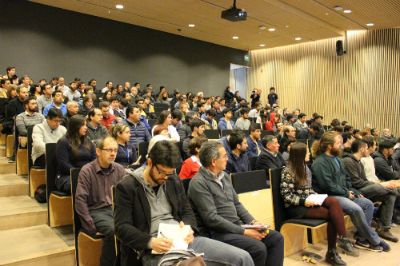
pixel 361 87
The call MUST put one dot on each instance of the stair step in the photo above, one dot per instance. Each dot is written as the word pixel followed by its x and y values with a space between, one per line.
pixel 13 185
pixel 36 245
pixel 21 211
pixel 2 151
pixel 6 167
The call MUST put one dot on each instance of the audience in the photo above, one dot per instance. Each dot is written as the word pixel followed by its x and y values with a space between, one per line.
pixel 108 119
pixel 383 160
pixel 192 165
pixel 126 155
pixel 74 150
pixel 296 188
pixel 254 140
pixel 46 97
pixel 57 103
pixel 243 121
pixel 165 119
pixel 331 178
pixel 209 119
pixel 139 132
pixel 93 196
pixel 30 117
pixel 270 157
pixel 197 128
pixel 72 109
pixel 151 195
pixel 216 202
pixel 96 130
pixel 238 161
pixel 49 131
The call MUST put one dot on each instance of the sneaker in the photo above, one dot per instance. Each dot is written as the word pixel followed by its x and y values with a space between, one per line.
pixel 385 246
pixel 333 258
pixel 11 159
pixel 347 247
pixel 364 244
pixel 386 234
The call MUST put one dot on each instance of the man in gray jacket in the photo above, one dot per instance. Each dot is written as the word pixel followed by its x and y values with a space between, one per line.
pixel 373 191
pixel 216 203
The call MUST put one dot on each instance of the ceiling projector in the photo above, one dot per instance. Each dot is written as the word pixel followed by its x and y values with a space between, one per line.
pixel 234 14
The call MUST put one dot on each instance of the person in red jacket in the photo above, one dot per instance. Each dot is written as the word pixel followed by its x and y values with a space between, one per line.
pixel 191 165
pixel 270 124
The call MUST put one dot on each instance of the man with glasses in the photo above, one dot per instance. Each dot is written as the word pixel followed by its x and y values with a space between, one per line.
pixel 93 198
pixel 49 131
pixel 153 195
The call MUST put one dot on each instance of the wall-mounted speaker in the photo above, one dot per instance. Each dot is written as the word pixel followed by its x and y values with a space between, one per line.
pixel 339 48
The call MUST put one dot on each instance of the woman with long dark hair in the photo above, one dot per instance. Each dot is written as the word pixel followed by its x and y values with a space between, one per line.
pixel 126 155
pixel 165 119
pixel 74 150
pixel 296 191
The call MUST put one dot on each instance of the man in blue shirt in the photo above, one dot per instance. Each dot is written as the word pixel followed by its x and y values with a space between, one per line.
pixel 139 132
pixel 58 100
pixel 254 140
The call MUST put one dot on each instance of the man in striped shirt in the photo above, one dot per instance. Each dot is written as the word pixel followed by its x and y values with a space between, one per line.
pixel 30 117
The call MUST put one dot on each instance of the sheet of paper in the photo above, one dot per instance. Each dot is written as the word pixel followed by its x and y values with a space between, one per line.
pixel 317 199
pixel 176 233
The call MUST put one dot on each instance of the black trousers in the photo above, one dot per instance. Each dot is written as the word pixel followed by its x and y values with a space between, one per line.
pixel 266 252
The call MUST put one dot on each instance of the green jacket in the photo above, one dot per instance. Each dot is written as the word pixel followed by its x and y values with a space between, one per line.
pixel 330 177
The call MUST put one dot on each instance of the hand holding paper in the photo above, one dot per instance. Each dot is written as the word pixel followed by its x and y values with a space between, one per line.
pixel 315 199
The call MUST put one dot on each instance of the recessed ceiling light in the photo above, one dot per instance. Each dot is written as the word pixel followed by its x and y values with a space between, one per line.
pixel 297 39
pixel 271 29
pixel 191 25
pixel 347 11
pixel 262 27
pixel 119 6
pixel 235 37
pixel 262 45
pixel 370 24
pixel 287 26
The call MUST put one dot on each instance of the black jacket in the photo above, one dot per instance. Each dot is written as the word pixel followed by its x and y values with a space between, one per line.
pixel 355 170
pixel 383 167
pixel 267 161
pixel 133 219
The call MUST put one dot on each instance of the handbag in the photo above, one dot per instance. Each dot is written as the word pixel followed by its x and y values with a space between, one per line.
pixel 181 258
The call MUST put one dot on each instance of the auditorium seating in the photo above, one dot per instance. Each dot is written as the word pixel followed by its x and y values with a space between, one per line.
pixel 59 204
pixel 254 193
pixel 293 230
pixel 9 145
pixel 87 247
pixel 36 176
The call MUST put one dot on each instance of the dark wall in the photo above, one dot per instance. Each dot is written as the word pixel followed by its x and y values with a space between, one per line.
pixel 44 41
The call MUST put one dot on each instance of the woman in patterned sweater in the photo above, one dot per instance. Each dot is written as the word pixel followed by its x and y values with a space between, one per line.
pixel 296 189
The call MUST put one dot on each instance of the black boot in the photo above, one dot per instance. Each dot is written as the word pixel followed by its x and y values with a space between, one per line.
pixel 333 258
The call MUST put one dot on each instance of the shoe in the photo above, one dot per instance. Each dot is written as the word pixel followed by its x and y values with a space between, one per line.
pixel 333 258
pixel 386 234
pixel 385 246
pixel 347 247
pixel 364 244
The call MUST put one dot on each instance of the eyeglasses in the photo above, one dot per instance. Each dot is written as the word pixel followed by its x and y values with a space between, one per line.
pixel 162 173
pixel 110 150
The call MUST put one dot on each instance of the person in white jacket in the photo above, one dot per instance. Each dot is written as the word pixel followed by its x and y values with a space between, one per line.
pixel 49 131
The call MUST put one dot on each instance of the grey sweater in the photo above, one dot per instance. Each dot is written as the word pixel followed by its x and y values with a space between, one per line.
pixel 355 170
pixel 219 208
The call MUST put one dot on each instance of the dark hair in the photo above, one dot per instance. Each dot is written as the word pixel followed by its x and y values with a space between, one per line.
pixel 91 113
pixel 235 137
pixel 338 129
pixel 162 117
pixel 139 99
pixel 208 152
pixel 104 104
pixel 357 144
pixel 56 91
pixel 165 153
pixel 254 126
pixel 114 98
pixel 226 110
pixel 9 68
pixel 301 115
pixel 211 112
pixel 196 143
pixel 54 113
pixel 73 137
pixel 385 143
pixel 272 88
pixel 130 108
pixel 370 140
pixel 346 137
pixel 335 122
pixel 176 114
pixel 297 164
pixel 105 95
pixel 347 128
pixel 244 110
pixel 196 123
pixel 30 98
pixel 267 139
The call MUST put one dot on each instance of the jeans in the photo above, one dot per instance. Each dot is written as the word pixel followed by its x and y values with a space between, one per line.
pixel 376 192
pixel 267 252
pixel 104 221
pixel 215 254
pixel 361 212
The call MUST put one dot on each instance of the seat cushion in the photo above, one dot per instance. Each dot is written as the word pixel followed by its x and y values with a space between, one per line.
pixel 306 222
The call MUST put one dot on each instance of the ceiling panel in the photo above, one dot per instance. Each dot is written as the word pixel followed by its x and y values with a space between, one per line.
pixel 309 19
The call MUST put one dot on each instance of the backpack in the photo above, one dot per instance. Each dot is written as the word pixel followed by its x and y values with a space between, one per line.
pixel 40 194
